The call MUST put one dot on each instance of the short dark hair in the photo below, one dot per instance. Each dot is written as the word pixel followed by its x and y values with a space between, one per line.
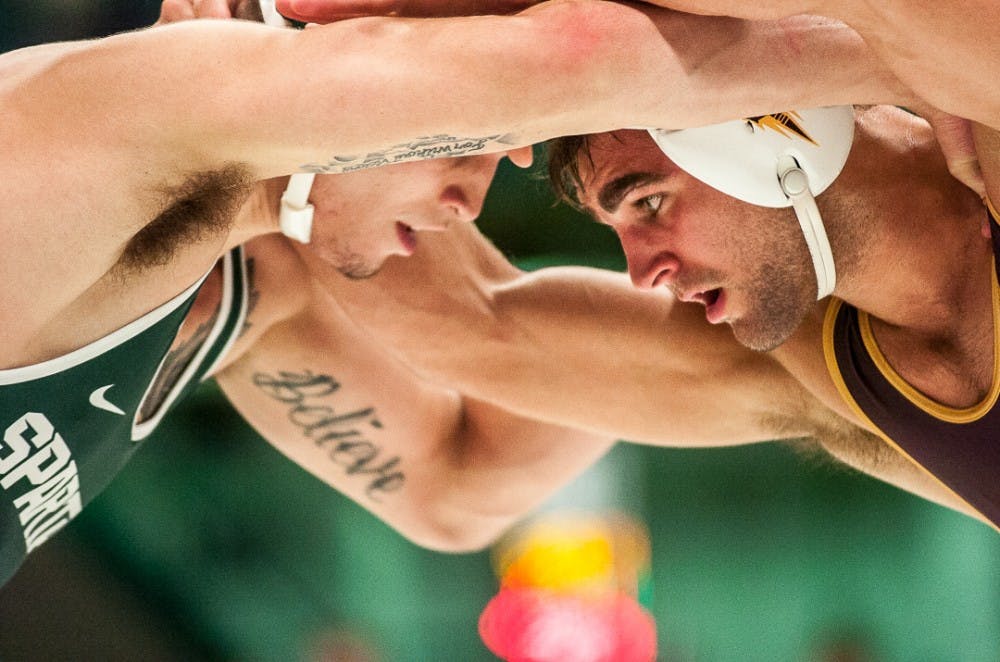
pixel 563 156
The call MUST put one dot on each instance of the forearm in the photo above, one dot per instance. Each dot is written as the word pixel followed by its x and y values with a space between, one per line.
pixel 374 91
pixel 757 67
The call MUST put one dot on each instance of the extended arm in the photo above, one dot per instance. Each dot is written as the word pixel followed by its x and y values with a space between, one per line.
pixel 448 471
pixel 107 132
pixel 582 347
pixel 944 51
pixel 572 345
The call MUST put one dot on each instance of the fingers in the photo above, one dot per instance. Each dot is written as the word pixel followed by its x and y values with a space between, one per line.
pixel 172 11
pixel 212 9
pixel 325 11
pixel 954 135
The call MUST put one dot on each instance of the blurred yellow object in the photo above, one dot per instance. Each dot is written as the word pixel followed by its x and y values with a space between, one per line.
pixel 573 552
pixel 561 563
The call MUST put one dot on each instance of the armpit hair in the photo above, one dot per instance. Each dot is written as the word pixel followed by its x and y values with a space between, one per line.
pixel 836 443
pixel 830 440
pixel 203 206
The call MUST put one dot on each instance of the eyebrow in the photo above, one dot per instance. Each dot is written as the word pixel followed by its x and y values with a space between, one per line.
pixel 611 194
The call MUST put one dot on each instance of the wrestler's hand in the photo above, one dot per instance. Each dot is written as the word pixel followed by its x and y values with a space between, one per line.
pixel 172 11
pixel 954 135
pixel 326 11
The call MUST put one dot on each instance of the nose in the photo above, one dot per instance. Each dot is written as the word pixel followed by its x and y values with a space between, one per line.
pixel 470 180
pixel 461 203
pixel 650 264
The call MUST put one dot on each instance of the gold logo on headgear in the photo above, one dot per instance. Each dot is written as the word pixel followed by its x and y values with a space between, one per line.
pixel 787 124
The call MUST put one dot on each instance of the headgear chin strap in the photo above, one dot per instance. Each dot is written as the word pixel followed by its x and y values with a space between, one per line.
pixel 295 217
pixel 779 160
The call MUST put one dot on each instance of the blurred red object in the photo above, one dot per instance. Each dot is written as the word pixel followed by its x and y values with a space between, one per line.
pixel 535 625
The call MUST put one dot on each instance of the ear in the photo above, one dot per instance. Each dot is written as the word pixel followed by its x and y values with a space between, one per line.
pixel 522 157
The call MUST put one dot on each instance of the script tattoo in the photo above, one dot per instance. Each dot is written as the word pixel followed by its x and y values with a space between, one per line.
pixel 428 147
pixel 343 433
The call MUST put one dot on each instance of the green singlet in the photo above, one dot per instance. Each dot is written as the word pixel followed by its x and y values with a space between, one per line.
pixel 70 424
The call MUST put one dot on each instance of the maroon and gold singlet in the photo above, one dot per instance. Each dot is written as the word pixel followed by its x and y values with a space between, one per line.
pixel 959 447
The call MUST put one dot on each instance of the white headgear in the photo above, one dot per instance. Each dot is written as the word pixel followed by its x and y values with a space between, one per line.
pixel 296 215
pixel 779 160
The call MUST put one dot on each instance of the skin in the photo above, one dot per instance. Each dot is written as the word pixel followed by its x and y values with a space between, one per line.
pixel 927 45
pixel 769 298
pixel 935 50
pixel 939 267
pixel 438 466
pixel 161 112
pixel 555 343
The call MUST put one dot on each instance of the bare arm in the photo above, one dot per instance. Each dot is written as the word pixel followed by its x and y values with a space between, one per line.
pixel 347 94
pixel 582 347
pixel 573 346
pixel 447 471
pixel 508 80
pixel 945 52
pixel 105 131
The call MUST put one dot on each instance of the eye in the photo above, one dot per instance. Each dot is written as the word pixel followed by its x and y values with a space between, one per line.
pixel 650 203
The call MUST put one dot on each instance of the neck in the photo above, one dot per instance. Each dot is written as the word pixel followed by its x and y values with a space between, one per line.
pixel 259 214
pixel 905 235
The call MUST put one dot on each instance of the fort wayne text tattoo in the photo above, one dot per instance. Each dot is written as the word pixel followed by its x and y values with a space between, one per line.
pixel 343 433
pixel 428 147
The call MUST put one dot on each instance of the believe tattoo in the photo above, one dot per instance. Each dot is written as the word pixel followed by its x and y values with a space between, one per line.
pixel 343 433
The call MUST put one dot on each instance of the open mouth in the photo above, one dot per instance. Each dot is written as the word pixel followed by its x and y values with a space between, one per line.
pixel 715 305
pixel 714 302
pixel 407 237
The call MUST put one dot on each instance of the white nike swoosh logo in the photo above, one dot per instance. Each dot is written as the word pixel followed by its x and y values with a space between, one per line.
pixel 98 400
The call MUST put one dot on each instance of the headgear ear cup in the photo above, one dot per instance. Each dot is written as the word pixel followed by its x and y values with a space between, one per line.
pixel 779 160
pixel 296 214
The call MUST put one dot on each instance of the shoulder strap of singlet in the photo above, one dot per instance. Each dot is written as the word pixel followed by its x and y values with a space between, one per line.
pixel 833 312
pixel 224 332
pixel 236 286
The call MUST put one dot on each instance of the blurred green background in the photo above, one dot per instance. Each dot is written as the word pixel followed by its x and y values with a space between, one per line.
pixel 212 546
